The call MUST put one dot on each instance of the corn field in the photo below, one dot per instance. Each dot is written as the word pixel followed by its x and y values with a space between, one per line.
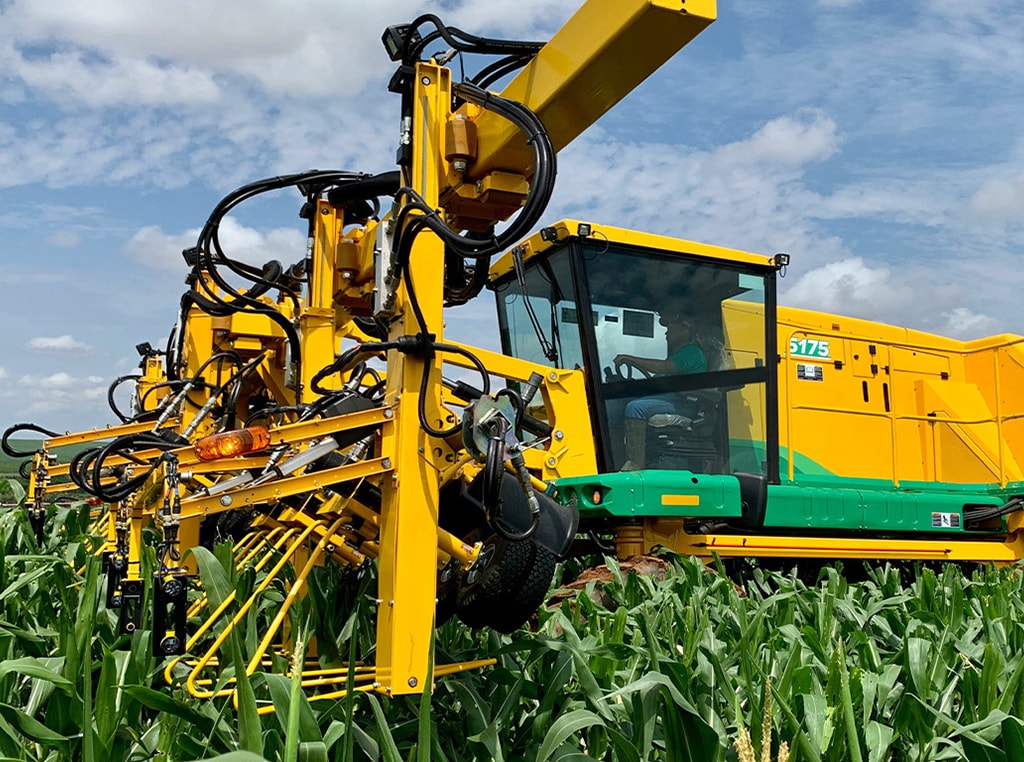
pixel 907 664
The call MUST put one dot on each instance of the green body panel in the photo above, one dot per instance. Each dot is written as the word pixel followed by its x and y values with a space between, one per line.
pixel 832 504
pixel 638 494
pixel 829 504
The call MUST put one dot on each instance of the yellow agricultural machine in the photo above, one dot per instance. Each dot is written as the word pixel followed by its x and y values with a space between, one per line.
pixel 650 392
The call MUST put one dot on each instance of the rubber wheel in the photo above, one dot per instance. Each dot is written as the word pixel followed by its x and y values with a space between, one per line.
pixel 449 577
pixel 528 595
pixel 510 585
pixel 492 579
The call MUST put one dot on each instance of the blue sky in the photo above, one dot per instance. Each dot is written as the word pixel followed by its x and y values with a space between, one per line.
pixel 879 143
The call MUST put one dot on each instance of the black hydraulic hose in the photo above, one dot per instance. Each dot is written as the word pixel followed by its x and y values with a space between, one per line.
pixel 493 477
pixel 461 41
pixel 110 395
pixel 5 445
pixel 498 69
pixel 545 169
pixel 234 383
pixel 995 511
pixel 209 236
pixel 223 309
pixel 371 186
pixel 124 447
pixel 424 383
pixel 346 360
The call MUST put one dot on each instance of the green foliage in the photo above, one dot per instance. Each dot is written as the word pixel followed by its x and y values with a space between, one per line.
pixel 909 664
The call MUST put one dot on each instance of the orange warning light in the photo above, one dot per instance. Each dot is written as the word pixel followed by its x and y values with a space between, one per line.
pixel 232 443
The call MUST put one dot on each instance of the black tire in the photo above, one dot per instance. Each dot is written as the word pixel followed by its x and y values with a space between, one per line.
pixel 512 583
pixel 528 595
pixel 492 579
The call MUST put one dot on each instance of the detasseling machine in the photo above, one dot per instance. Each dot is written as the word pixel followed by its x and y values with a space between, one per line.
pixel 650 392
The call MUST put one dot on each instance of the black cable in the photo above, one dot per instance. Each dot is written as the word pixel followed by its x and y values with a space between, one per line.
pixel 124 446
pixel 517 402
pixel 545 169
pixel 494 71
pixel 995 511
pixel 10 451
pixel 172 385
pixel 460 41
pixel 346 360
pixel 209 254
pixel 422 409
pixel 110 396
pixel 235 383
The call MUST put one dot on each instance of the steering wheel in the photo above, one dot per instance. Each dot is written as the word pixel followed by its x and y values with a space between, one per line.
pixel 618 375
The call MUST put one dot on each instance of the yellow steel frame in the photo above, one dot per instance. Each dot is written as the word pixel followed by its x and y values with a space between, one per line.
pixel 635 539
pixel 600 55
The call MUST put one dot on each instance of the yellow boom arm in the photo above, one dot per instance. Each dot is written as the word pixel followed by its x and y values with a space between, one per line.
pixel 598 57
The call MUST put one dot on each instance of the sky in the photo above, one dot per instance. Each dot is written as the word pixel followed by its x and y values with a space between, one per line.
pixel 879 144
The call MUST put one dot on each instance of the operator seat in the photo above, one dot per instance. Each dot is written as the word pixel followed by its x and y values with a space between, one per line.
pixel 695 440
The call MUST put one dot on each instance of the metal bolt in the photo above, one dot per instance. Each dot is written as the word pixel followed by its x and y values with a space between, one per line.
pixel 226 501
pixel 389 413
pixel 552 376
pixel 413 682
pixel 169 644
pixel 325 211
pixel 387 463
pixel 425 81
pixel 559 435
pixel 552 462
pixel 330 548
pixel 460 165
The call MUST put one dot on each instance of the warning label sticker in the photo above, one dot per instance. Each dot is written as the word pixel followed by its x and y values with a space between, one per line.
pixel 809 372
pixel 946 520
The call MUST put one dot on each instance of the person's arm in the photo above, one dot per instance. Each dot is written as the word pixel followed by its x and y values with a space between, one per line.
pixel 647 364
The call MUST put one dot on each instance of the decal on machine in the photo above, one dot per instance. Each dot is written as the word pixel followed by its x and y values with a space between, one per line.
pixel 946 520
pixel 817 349
pixel 810 372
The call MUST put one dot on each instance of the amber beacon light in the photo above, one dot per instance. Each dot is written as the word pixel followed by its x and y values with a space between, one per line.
pixel 230 444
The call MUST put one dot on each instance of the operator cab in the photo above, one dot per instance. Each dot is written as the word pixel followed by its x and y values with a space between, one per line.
pixel 674 338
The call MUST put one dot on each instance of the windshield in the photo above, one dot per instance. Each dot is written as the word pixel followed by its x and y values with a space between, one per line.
pixel 681 344
pixel 674 348
pixel 537 314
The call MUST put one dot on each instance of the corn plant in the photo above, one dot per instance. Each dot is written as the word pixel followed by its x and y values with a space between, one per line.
pixel 909 663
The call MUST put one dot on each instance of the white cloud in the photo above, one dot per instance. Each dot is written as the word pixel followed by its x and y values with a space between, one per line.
pixel 173 53
pixel 849 286
pixel 962 323
pixel 748 194
pixel 59 392
pixel 73 76
pixel 924 201
pixel 915 296
pixel 537 19
pixel 64 239
pixel 154 248
pixel 3 373
pixel 65 343
pixel 60 380
pixel 999 199
pixel 788 141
